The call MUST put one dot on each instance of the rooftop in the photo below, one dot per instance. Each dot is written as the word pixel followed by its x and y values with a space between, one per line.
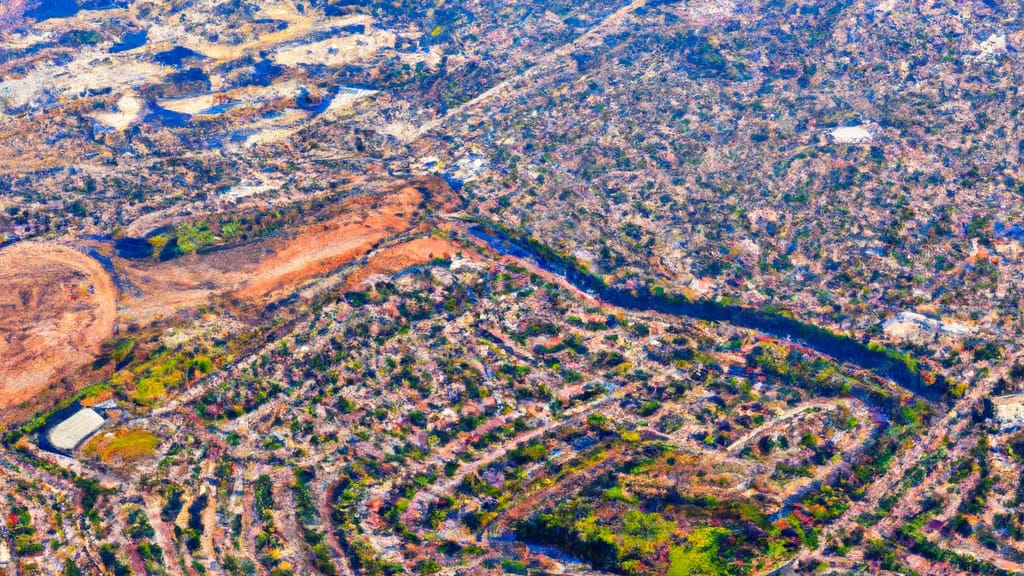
pixel 850 134
pixel 71 432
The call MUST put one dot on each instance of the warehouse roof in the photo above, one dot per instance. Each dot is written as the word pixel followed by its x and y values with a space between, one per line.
pixel 78 427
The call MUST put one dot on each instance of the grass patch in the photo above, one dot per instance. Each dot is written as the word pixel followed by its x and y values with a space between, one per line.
pixel 123 444
pixel 97 394
pixel 155 377
pixel 700 555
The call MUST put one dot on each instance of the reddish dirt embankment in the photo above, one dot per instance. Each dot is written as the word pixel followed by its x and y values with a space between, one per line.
pixel 57 306
pixel 325 247
pixel 273 268
pixel 407 254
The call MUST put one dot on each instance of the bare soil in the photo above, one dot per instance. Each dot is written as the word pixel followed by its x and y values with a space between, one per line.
pixel 320 249
pixel 396 258
pixel 271 269
pixel 56 307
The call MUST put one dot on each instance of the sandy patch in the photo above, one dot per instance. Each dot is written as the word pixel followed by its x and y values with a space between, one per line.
pixel 345 99
pixel 271 135
pixel 299 27
pixel 282 127
pixel 251 94
pixel 336 51
pixel 81 75
pixel 127 113
pixel 273 268
pixel 247 190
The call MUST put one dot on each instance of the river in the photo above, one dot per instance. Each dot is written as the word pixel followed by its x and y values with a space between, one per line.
pixel 884 362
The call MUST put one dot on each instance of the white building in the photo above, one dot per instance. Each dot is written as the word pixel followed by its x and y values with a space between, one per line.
pixel 70 433
pixel 850 135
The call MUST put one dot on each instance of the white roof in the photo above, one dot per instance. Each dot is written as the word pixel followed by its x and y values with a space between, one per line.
pixel 850 134
pixel 71 432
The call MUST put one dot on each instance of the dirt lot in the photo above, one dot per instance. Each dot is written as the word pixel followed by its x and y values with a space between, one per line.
pixel 323 248
pixel 271 269
pixel 56 307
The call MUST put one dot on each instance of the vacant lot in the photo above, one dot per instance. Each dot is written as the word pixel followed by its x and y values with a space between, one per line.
pixel 325 247
pixel 273 268
pixel 56 307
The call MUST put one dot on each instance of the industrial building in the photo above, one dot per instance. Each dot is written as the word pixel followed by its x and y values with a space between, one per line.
pixel 76 429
